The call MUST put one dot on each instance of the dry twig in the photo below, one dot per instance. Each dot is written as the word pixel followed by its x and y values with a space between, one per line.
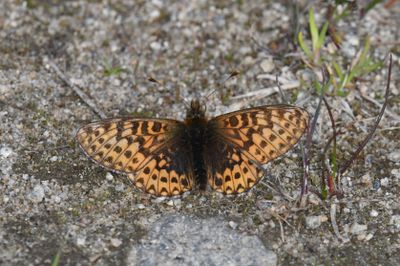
pixel 77 90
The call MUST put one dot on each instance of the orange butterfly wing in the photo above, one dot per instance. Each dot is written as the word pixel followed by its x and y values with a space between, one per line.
pixel 245 140
pixel 148 150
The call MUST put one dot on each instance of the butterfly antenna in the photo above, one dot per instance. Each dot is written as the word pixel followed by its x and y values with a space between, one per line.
pixel 151 79
pixel 185 102
pixel 234 73
pixel 283 95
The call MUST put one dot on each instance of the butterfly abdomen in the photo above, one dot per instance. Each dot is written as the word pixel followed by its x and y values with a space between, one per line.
pixel 197 129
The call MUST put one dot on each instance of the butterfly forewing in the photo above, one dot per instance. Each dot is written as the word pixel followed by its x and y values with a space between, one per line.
pixel 148 150
pixel 251 137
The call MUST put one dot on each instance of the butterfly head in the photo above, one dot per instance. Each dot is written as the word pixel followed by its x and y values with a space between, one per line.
pixel 196 110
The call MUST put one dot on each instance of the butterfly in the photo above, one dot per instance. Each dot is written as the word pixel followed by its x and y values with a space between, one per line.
pixel 166 157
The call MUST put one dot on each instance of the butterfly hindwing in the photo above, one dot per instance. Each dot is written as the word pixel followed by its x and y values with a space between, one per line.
pixel 167 173
pixel 145 149
pixel 229 170
pixel 250 138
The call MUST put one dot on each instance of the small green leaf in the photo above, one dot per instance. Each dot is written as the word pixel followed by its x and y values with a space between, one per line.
pixel 371 5
pixel 318 87
pixel 373 67
pixel 338 70
pixel 303 45
pixel 110 70
pixel 342 93
pixel 313 29
pixel 324 193
pixel 114 71
pixel 56 259
pixel 365 51
pixel 322 35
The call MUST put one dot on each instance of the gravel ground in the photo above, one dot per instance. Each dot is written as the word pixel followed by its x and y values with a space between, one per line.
pixel 54 200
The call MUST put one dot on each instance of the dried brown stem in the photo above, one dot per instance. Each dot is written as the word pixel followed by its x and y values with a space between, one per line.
pixel 349 162
pixel 333 137
pixel 78 91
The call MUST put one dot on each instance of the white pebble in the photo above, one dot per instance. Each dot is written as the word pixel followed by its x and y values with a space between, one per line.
pixel 56 199
pixel 395 220
pixel 357 229
pixel 394 156
pixel 109 177
pixel 155 46
pixel 267 65
pixel 313 222
pixel 396 173
pixel 81 240
pixel 366 180
pixel 5 152
pixel 37 194
pixel 115 242
pixel 271 224
pixel 120 187
pixel 232 224
pixel 361 236
pixel 155 14
pixel 159 200
pixel 140 206
pixel 177 202
pixel 374 213
pixel 385 182
pixel 369 237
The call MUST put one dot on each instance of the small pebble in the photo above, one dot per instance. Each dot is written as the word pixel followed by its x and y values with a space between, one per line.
pixel 80 241
pixel 357 228
pixel 155 46
pixel 366 180
pixel 115 242
pixel 394 156
pixel 385 182
pixel 396 173
pixel 232 224
pixel 374 213
pixel 140 206
pixel 109 177
pixel 56 199
pixel 369 237
pixel 313 221
pixel 154 14
pixel 361 236
pixel 5 152
pixel 395 220
pixel 159 200
pixel 376 185
pixel 313 199
pixel 267 65
pixel 177 202
pixel 37 194
pixel 120 187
